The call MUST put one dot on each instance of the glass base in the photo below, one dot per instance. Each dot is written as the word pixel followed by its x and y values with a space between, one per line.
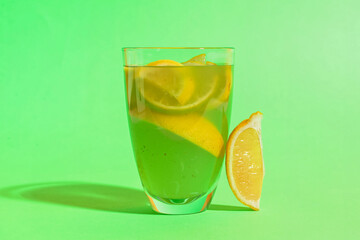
pixel 196 206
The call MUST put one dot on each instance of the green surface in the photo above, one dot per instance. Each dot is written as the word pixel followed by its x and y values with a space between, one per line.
pixel 64 133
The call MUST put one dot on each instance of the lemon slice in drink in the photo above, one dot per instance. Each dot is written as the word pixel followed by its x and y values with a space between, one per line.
pixel 196 61
pixel 169 86
pixel 190 126
pixel 210 63
pixel 223 89
pixel 224 84
pixel 199 60
pixel 164 84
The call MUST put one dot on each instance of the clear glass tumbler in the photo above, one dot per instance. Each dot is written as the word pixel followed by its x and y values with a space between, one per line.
pixel 179 103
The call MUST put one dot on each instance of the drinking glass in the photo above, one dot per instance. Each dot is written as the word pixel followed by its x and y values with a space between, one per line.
pixel 178 105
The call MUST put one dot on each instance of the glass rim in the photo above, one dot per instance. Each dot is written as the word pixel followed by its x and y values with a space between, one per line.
pixel 178 48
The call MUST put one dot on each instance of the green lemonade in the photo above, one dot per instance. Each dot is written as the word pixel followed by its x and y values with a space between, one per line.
pixel 178 118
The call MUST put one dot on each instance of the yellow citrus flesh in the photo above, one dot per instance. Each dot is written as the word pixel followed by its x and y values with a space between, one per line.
pixel 164 62
pixel 224 89
pixel 210 63
pixel 196 61
pixel 164 81
pixel 228 84
pixel 191 126
pixel 244 161
pixel 169 86
pixel 187 91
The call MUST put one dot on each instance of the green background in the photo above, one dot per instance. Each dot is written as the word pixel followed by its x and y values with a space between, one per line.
pixel 66 164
